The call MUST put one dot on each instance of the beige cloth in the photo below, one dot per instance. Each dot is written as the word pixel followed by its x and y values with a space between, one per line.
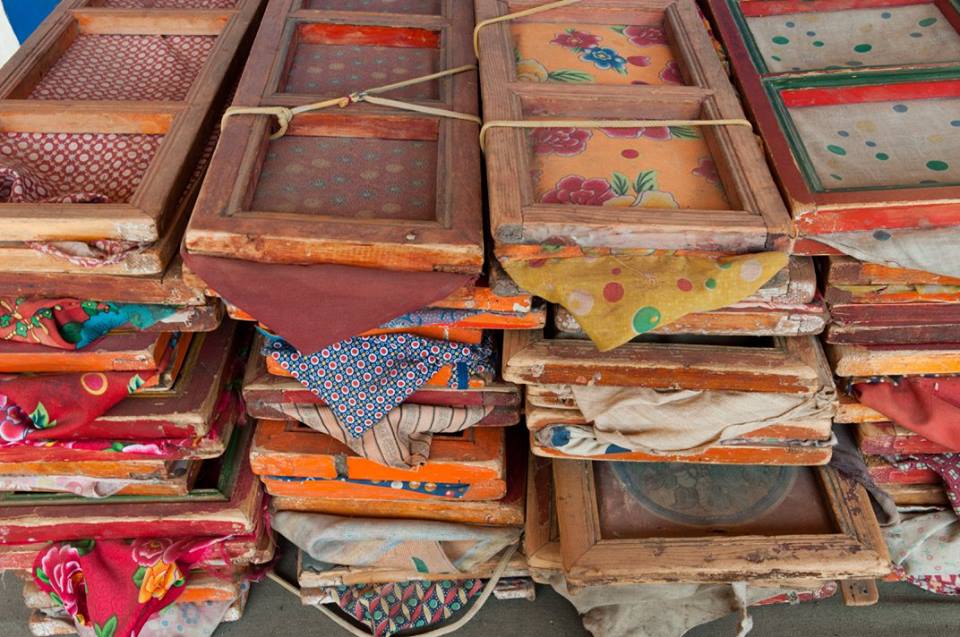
pixel 645 419
pixel 417 545
pixel 402 439
pixel 660 610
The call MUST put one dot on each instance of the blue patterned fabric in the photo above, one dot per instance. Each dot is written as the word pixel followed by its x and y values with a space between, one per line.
pixel 362 378
pixel 443 489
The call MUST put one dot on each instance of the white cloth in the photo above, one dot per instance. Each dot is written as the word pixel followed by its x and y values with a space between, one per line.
pixel 930 250
pixel 644 419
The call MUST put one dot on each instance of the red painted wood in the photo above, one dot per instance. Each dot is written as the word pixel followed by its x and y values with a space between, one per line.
pixel 919 215
pixel 369 36
pixel 802 97
pixel 762 8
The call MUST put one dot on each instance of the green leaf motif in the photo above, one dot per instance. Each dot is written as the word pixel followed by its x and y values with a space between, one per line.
pixel 570 76
pixel 40 418
pixel 107 629
pixel 684 132
pixel 138 576
pixel 5 320
pixel 646 180
pixel 619 29
pixel 21 328
pixel 420 565
pixel 619 184
pixel 116 446
pixel 135 383
pixel 56 598
pixel 83 546
pixel 42 576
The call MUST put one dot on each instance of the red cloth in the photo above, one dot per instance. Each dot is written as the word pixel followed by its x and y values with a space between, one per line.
pixel 114 586
pixel 927 406
pixel 314 306
pixel 31 404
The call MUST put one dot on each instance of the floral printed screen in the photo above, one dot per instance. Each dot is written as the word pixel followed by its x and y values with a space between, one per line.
pixel 594 54
pixel 654 167
pixel 910 34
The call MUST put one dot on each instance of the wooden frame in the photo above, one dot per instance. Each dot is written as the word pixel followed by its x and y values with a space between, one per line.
pixel 818 209
pixel 263 391
pixel 232 508
pixel 168 288
pixel 147 215
pixel 856 551
pixel 787 443
pixel 292 453
pixel 758 220
pixel 225 222
pixel 134 351
pixel 890 439
pixel 791 365
pixel 893 360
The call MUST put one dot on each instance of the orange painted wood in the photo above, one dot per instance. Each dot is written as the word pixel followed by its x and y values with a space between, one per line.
pixel 115 352
pixel 289 449
pixel 849 271
pixel 326 489
pixel 440 379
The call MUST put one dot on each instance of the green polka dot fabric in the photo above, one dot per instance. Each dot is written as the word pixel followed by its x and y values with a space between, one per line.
pixel 886 144
pixel 881 36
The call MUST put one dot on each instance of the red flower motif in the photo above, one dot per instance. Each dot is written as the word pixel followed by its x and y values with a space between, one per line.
pixel 574 39
pixel 574 189
pixel 639 60
pixel 565 142
pixel 707 169
pixel 147 552
pixel 645 35
pixel 659 133
pixel 61 566
pixel 14 422
pixel 671 73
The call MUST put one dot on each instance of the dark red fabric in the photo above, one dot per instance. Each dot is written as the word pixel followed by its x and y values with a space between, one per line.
pixel 927 406
pixel 314 306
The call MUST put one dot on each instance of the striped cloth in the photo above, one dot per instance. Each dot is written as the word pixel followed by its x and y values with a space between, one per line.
pixel 402 439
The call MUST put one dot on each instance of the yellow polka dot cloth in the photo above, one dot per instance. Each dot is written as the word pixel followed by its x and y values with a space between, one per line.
pixel 616 298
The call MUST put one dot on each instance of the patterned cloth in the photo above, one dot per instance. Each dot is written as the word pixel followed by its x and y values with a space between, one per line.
pixel 930 250
pixel 186 620
pixel 824 39
pixel 655 167
pixel 29 405
pixel 73 167
pixel 616 298
pixel 418 545
pixel 925 551
pixel 946 465
pixel 401 440
pixel 114 586
pixel 71 323
pixel 363 378
pixel 392 608
pixel 126 68
pixel 594 54
pixel 95 254
pixel 77 485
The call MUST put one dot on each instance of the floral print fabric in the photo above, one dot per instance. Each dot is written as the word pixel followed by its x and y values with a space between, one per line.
pixel 114 586
pixel 71 323
pixel 594 54
pixel 363 378
pixel 616 298
pixel 651 167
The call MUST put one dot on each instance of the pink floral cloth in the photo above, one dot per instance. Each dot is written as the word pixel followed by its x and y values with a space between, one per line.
pixel 114 586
